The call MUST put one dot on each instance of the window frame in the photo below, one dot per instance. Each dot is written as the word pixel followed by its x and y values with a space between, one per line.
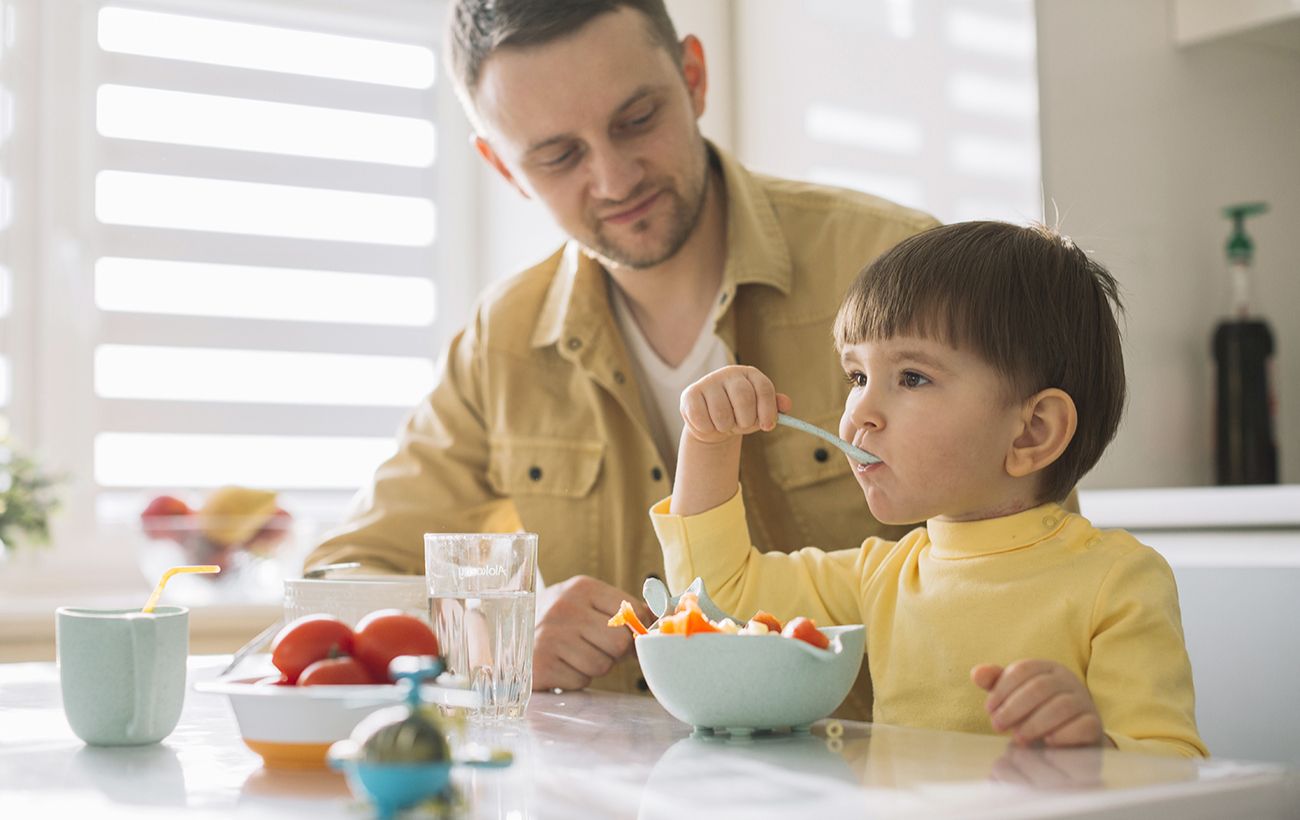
pixel 54 325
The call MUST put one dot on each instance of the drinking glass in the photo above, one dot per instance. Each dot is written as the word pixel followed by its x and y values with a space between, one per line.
pixel 482 600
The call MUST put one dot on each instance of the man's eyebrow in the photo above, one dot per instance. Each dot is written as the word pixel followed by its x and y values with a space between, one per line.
pixel 632 99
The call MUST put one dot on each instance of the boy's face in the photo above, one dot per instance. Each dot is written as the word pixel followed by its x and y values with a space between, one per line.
pixel 940 420
pixel 601 126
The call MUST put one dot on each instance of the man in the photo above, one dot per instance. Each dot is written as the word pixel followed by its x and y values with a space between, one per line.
pixel 555 409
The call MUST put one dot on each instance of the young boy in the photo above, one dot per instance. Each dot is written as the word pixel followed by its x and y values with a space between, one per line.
pixel 986 372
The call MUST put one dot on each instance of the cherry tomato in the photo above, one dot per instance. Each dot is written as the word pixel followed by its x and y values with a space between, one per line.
pixel 388 633
pixel 307 640
pixel 335 672
pixel 767 619
pixel 803 629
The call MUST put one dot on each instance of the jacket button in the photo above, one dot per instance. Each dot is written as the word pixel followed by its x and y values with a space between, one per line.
pixel 535 473
pixel 820 454
pixel 656 474
pixel 642 685
pixel 574 343
pixel 619 377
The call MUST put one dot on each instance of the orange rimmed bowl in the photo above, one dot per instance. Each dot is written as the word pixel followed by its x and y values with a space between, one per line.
pixel 292 727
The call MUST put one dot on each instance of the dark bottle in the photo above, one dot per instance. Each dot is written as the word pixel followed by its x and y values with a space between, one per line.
pixel 1245 451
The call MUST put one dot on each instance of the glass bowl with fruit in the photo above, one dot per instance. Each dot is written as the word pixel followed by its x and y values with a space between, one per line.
pixel 244 531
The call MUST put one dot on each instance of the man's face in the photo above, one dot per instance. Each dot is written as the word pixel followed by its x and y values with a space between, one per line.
pixel 601 126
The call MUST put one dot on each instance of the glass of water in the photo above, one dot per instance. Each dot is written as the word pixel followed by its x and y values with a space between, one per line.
pixel 481 603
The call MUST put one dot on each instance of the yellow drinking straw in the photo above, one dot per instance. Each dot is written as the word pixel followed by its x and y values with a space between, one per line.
pixel 167 576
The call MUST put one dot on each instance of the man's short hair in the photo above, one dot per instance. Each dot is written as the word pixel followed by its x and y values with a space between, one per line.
pixel 477 28
pixel 1027 300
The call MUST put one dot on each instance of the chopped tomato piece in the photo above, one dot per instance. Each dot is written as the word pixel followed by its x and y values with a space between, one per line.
pixel 767 619
pixel 804 629
pixel 627 617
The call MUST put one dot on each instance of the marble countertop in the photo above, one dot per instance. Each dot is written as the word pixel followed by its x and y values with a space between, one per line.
pixel 600 755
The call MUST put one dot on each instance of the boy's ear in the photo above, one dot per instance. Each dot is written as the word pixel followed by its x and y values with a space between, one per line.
pixel 1048 420
pixel 490 156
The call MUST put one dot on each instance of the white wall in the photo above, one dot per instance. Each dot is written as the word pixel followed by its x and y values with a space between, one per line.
pixel 1143 143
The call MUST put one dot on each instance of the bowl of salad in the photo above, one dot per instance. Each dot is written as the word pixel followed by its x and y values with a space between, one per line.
pixel 727 675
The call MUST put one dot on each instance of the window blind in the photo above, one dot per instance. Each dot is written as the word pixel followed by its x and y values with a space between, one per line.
pixel 263 185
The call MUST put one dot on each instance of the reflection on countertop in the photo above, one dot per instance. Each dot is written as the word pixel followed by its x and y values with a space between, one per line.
pixel 602 755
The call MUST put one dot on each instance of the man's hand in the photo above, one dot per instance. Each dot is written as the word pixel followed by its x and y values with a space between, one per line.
pixel 1040 701
pixel 731 401
pixel 573 643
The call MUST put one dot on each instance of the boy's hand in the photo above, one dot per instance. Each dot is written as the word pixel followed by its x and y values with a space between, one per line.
pixel 1040 701
pixel 731 401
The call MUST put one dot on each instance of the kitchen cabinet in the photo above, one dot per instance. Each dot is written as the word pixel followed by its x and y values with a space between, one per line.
pixel 1266 22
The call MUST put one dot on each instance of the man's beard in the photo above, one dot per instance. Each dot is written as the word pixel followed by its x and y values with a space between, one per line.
pixel 683 215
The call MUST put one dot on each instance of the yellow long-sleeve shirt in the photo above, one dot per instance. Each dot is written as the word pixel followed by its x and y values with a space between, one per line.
pixel 1043 583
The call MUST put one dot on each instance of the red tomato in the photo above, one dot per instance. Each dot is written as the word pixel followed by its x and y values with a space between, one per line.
pixel 767 619
pixel 803 629
pixel 307 640
pixel 335 672
pixel 388 633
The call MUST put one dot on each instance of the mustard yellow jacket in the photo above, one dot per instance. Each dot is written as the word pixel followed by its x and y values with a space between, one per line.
pixel 535 421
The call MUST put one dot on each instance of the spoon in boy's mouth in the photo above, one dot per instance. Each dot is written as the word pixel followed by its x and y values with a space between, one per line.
pixel 855 453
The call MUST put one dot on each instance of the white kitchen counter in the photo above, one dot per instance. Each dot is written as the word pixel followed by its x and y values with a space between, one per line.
pixel 600 755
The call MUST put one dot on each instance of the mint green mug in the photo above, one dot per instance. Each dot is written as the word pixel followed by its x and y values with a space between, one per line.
pixel 122 672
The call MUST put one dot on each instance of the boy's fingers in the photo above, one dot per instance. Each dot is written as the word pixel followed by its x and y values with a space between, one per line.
pixel 765 401
pixel 1048 716
pixel 985 675
pixel 783 403
pixel 745 404
pixel 694 411
pixel 1084 730
pixel 1012 678
pixel 1018 705
pixel 720 412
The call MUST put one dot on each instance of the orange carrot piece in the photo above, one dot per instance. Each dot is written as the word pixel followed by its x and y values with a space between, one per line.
pixel 696 623
pixel 626 616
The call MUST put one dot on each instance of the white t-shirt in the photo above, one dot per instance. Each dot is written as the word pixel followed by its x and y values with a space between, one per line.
pixel 661 386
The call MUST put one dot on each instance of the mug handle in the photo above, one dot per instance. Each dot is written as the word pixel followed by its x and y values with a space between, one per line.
pixel 142 671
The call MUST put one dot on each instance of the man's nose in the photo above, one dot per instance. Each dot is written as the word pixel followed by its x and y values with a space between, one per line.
pixel 615 173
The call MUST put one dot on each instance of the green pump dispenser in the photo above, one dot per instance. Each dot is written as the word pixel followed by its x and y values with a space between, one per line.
pixel 1245 450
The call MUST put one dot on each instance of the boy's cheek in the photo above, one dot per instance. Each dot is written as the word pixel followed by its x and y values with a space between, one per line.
pixel 846 426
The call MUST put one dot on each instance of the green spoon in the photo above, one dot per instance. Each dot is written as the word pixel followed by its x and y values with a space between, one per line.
pixel 855 453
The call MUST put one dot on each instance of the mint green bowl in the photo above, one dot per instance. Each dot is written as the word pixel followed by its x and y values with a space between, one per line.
pixel 743 683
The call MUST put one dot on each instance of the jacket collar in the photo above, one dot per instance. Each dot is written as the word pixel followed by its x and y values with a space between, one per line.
pixel 577 302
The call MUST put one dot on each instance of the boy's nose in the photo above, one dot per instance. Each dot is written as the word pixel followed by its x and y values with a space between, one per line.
pixel 864 411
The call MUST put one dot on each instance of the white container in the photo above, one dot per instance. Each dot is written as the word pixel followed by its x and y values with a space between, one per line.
pixel 352 598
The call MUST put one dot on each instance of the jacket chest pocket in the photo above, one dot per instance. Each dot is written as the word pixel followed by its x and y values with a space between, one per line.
pixel 551 483
pixel 526 467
